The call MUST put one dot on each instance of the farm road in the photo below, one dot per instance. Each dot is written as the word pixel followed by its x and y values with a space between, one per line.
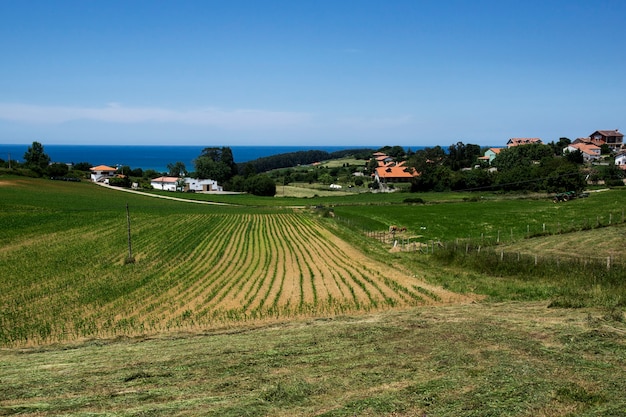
pixel 163 196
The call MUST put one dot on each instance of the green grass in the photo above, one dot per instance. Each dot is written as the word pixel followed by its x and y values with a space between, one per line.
pixel 489 218
pixel 476 360
pixel 510 355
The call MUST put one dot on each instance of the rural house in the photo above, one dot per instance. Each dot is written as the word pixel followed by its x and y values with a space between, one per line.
pixel 590 152
pixel 620 160
pixel 613 138
pixel 394 173
pixel 490 155
pixel 101 173
pixel 195 184
pixel 190 184
pixel 523 141
pixel 164 183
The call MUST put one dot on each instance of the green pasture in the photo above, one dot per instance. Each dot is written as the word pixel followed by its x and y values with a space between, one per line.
pixel 488 218
pixel 520 350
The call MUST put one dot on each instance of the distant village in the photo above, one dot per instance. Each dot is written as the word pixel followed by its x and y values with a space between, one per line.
pixel 599 145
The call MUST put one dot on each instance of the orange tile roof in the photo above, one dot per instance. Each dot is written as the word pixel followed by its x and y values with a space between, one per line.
pixel 103 168
pixel 523 141
pixel 396 172
pixel 586 148
pixel 164 179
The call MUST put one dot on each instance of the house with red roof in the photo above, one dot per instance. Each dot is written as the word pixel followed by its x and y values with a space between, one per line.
pixel 590 151
pixel 102 173
pixel 523 141
pixel 490 155
pixel 613 138
pixel 394 172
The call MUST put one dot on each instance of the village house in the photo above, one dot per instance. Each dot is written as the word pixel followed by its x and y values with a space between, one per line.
pixel 102 173
pixel 394 172
pixel 164 183
pixel 590 152
pixel 613 138
pixel 490 155
pixel 195 184
pixel 620 160
pixel 523 141
pixel 188 184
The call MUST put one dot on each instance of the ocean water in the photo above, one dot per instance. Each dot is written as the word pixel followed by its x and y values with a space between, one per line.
pixel 148 157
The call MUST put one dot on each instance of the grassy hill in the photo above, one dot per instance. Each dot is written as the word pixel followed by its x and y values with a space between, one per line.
pixel 265 309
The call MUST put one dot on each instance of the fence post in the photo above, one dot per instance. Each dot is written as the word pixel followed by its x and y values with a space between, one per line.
pixel 608 262
pixel 501 255
pixel 498 241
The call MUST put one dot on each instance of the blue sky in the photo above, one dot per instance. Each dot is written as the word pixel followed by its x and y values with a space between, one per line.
pixel 309 72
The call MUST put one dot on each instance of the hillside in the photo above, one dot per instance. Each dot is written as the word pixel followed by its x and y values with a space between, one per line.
pixel 268 311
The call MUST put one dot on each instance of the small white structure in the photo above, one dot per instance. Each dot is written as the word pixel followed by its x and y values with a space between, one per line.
pixel 335 187
pixel 164 183
pixel 102 173
pixel 190 184
pixel 195 184
pixel 620 160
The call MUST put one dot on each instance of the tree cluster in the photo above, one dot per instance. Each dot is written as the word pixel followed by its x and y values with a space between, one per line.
pixel 533 167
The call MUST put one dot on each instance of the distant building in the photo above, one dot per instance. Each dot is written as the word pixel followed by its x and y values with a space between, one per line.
pixel 101 173
pixel 590 152
pixel 395 173
pixel 523 141
pixel 490 154
pixel 196 184
pixel 190 184
pixel 620 160
pixel 613 138
pixel 164 183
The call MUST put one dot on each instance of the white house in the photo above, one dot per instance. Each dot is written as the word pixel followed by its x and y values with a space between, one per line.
pixel 196 184
pixel 191 184
pixel 620 160
pixel 590 152
pixel 164 183
pixel 101 173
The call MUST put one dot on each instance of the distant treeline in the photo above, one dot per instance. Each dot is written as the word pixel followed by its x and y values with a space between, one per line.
pixel 292 159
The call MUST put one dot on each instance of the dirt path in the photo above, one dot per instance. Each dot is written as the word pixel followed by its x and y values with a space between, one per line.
pixel 184 200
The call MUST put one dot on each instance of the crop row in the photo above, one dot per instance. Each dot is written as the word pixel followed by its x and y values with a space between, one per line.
pixel 191 271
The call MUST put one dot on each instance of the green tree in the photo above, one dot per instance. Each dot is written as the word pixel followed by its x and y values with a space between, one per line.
pixel 261 185
pixel 36 159
pixel 57 170
pixel 82 166
pixel 216 164
pixel 326 179
pixel 462 156
pixel 177 169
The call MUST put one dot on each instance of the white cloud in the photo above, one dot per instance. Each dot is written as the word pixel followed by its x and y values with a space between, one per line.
pixel 117 113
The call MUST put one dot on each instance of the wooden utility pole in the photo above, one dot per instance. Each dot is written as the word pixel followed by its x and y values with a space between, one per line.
pixel 130 247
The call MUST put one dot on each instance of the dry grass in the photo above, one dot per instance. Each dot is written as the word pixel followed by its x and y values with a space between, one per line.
pixel 510 359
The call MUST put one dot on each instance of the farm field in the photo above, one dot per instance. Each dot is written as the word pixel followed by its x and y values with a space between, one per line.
pixel 196 268
pixel 275 311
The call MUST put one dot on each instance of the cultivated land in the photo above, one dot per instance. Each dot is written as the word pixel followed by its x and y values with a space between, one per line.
pixel 267 309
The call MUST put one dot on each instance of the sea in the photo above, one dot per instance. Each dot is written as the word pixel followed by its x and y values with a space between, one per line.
pixel 148 157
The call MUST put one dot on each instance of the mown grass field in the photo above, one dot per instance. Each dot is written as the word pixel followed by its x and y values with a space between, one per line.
pixel 267 310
